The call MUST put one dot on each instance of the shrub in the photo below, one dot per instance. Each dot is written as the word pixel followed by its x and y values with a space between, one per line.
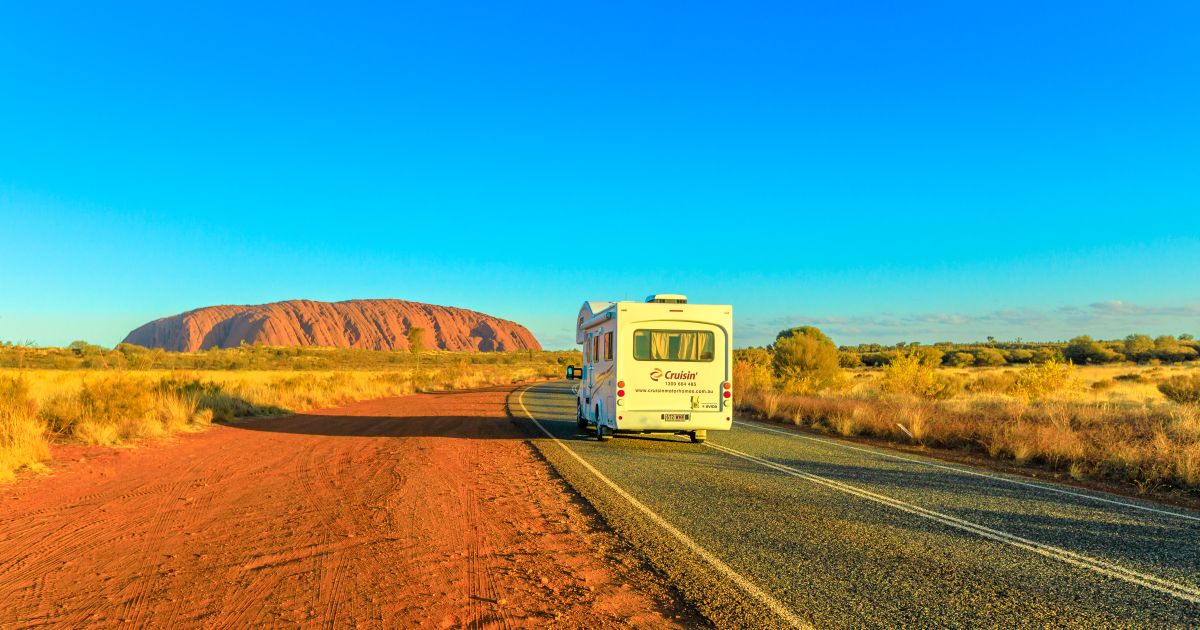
pixel 927 355
pixel 22 436
pixel 1183 389
pixel 988 356
pixel 907 374
pixel 1000 382
pixel 1018 356
pixel 1168 348
pixel 959 359
pixel 876 359
pixel 750 377
pixel 849 360
pixel 806 361
pixel 1084 350
pixel 1139 348
pixel 753 356
pixel 1042 355
pixel 1035 382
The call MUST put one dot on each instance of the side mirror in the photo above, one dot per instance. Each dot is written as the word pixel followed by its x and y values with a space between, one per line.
pixel 574 372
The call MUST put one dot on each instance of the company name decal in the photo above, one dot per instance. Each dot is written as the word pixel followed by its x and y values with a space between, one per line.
pixel 656 374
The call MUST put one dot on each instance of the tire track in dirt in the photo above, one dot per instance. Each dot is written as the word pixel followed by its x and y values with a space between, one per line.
pixel 427 509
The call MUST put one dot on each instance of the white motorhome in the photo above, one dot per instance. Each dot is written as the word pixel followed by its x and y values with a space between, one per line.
pixel 659 366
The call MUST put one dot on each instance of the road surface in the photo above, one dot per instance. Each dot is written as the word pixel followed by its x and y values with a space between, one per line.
pixel 427 510
pixel 763 526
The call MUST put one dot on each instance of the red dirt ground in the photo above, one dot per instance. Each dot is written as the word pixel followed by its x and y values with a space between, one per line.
pixel 426 510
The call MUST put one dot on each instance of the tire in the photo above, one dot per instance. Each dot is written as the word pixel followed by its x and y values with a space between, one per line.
pixel 603 433
pixel 698 437
pixel 580 421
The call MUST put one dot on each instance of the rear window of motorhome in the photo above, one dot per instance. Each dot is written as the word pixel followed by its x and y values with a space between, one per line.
pixel 673 345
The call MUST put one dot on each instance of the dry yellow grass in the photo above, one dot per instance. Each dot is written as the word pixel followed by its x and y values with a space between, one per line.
pixel 121 407
pixel 1123 429
pixel 22 434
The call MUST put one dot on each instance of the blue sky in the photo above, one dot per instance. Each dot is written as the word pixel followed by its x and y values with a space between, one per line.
pixel 888 171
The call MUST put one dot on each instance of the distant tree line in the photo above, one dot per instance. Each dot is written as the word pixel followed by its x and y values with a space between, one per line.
pixel 84 355
pixel 1082 350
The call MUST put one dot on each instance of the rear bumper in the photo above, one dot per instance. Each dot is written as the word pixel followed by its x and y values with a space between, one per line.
pixel 652 421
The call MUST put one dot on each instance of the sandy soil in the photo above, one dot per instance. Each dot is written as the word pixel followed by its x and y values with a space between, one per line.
pixel 427 510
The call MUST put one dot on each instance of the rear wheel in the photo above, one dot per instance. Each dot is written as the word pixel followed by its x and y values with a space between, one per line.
pixel 698 437
pixel 603 433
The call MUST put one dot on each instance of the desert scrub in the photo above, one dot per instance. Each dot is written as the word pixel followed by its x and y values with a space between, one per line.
pixel 119 407
pixel 23 441
pixel 1183 389
pixel 1046 415
pixel 111 410
pixel 913 375
pixel 1037 381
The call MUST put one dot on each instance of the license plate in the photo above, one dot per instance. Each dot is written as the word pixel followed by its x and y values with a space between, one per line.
pixel 676 416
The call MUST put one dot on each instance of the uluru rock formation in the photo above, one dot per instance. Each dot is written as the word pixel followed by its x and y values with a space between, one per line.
pixel 371 324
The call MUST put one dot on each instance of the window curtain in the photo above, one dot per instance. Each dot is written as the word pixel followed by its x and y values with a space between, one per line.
pixel 689 347
pixel 660 345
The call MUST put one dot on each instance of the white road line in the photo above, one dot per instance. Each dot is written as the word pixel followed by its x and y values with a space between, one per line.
pixel 975 473
pixel 746 585
pixel 1168 587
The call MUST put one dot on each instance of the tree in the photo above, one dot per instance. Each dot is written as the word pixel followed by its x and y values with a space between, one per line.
pixel 416 342
pixel 806 360
pixel 927 355
pixel 753 356
pixel 1140 348
pixel 959 359
pixel 988 356
pixel 1168 348
pixel 1046 355
pixel 1018 356
pixel 849 359
pixel 1083 349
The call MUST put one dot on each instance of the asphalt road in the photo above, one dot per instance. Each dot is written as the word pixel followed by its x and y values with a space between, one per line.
pixel 767 527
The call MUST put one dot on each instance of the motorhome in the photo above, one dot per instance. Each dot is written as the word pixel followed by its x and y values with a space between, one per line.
pixel 659 366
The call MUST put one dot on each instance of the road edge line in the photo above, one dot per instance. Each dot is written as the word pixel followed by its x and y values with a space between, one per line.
pixel 1102 567
pixel 753 425
pixel 774 605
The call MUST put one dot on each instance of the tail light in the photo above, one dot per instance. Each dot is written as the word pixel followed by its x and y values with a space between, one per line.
pixel 620 383
pixel 727 386
pixel 620 393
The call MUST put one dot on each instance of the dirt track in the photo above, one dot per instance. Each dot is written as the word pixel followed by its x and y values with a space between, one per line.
pixel 424 510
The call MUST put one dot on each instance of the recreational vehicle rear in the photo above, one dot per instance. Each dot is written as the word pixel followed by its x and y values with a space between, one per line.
pixel 659 366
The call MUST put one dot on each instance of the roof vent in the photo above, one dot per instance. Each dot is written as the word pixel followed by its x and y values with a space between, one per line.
pixel 666 298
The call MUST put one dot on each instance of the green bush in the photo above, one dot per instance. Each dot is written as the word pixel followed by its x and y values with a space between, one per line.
pixel 806 361
pixel 909 374
pixel 753 356
pixel 1037 381
pixel 959 359
pixel 1139 348
pixel 1018 356
pixel 1084 350
pixel 849 360
pixel 1044 355
pixel 1184 390
pixel 988 357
